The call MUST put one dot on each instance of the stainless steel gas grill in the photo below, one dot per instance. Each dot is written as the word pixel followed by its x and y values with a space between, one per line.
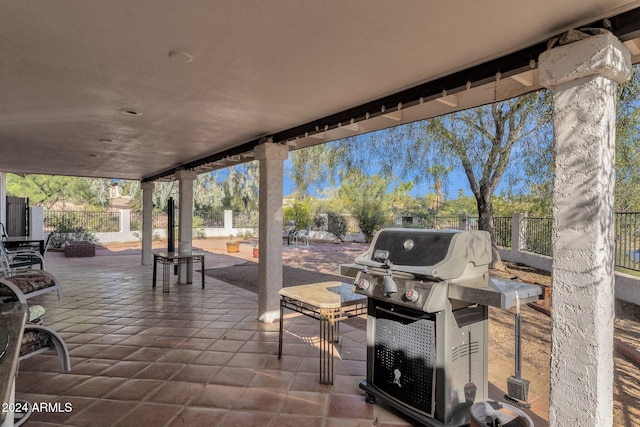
pixel 428 296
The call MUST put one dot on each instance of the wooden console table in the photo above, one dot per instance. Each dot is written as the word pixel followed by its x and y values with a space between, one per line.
pixel 330 303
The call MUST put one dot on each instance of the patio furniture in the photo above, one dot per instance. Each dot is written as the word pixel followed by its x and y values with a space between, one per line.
pixel 21 285
pixel 302 235
pixel 330 303
pixel 27 256
pixel 37 339
pixel 13 318
pixel 288 231
pixel 167 259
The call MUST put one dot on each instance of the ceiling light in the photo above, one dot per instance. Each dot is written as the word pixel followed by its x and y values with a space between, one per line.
pixel 181 56
pixel 105 140
pixel 130 112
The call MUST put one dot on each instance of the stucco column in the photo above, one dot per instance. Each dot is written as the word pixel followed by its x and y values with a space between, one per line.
pixel 584 76
pixel 271 157
pixel 185 216
pixel 147 222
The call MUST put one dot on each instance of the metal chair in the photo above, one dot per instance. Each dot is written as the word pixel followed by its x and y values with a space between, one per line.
pixel 19 284
pixel 302 235
pixel 28 257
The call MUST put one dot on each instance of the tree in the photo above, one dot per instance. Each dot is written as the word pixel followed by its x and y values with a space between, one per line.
pixel 483 142
pixel 48 190
pixel 364 197
pixel 627 197
pixel 241 188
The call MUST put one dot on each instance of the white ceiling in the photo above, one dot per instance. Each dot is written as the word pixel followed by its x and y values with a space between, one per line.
pixel 69 69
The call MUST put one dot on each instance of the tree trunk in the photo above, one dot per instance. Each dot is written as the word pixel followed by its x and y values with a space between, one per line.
pixel 485 222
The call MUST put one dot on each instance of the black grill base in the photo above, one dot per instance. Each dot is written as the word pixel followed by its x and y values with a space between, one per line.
pixel 373 392
pixel 430 366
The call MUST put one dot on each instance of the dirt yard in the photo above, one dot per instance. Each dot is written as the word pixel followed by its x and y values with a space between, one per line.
pixel 536 350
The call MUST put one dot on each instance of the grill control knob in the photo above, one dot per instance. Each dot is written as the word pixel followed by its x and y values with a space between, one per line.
pixel 411 295
pixel 363 284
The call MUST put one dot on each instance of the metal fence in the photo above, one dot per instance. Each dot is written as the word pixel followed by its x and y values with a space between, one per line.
pixel 159 219
pixel 73 221
pixel 502 230
pixel 245 220
pixel 212 219
pixel 538 235
pixel 627 240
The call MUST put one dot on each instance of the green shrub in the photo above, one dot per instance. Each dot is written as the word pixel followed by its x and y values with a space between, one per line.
pixel 337 224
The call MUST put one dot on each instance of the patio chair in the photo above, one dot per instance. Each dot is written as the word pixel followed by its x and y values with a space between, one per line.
pixel 16 284
pixel 37 339
pixel 302 235
pixel 28 257
pixel 288 231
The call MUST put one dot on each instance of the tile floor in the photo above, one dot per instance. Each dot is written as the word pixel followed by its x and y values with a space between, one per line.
pixel 189 358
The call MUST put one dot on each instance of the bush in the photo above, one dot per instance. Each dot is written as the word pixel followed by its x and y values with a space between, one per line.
pixel 300 212
pixel 68 229
pixel 337 224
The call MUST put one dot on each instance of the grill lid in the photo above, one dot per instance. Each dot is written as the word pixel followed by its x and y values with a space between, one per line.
pixel 437 254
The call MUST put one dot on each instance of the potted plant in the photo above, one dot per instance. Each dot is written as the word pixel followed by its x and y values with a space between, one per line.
pixel 256 251
pixel 233 245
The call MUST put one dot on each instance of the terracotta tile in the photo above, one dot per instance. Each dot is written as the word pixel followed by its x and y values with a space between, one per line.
pixel 95 387
pixel 260 399
pixel 349 406
pixel 216 358
pixel 149 354
pixel 297 421
pixel 134 390
pixel 199 417
pixel 174 392
pixel 233 376
pixel 125 369
pixel 217 396
pixel 241 418
pixel 102 413
pixel 307 403
pixel 196 373
pixel 160 371
pixel 152 414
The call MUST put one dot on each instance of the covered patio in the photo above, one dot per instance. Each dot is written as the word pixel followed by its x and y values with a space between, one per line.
pixel 195 357
pixel 160 91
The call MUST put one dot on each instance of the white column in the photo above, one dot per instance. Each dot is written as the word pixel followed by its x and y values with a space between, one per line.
pixel 271 157
pixel 185 215
pixel 125 220
pixel 36 222
pixel 584 77
pixel 147 222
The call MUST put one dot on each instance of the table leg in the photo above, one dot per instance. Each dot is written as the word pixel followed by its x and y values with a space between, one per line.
pixel 190 270
pixel 327 329
pixel 165 276
pixel 280 334
pixel 155 264
pixel 202 269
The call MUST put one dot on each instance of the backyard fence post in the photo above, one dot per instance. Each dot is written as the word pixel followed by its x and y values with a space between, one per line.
pixel 228 222
pixel 125 220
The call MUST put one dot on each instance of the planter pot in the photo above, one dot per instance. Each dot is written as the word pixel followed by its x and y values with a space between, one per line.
pixel 256 252
pixel 233 247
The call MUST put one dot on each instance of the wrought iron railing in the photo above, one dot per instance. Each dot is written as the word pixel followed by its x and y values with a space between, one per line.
pixel 627 240
pixel 72 221
pixel 538 235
